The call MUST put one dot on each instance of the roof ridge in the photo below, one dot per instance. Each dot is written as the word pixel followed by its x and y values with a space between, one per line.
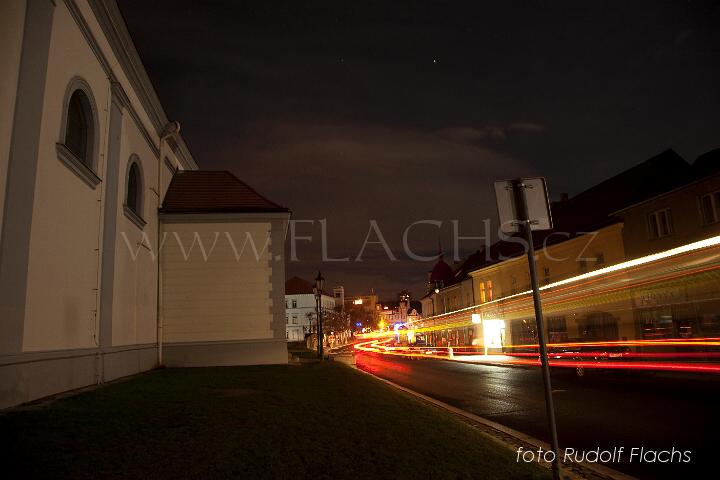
pixel 207 191
pixel 252 189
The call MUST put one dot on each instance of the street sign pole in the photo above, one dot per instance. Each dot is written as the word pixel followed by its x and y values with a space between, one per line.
pixel 319 325
pixel 522 217
pixel 321 334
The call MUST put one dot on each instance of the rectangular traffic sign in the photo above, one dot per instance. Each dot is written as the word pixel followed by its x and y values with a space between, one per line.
pixel 537 203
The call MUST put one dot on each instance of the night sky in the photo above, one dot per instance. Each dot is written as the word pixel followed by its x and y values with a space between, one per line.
pixel 404 111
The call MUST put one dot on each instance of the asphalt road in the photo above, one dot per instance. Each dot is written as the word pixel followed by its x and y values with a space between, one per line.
pixel 601 409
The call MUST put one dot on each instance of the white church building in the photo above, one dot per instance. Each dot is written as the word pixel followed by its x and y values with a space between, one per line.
pixel 116 253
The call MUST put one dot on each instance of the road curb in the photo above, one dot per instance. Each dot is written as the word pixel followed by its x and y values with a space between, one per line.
pixel 500 433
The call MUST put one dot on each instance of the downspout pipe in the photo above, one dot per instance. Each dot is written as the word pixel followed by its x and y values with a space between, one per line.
pixel 172 128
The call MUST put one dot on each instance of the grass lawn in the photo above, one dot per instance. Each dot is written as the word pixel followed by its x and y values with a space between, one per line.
pixel 318 420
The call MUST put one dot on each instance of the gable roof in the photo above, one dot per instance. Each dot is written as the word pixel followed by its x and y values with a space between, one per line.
pixel 593 208
pixel 707 164
pixel 206 191
pixel 441 272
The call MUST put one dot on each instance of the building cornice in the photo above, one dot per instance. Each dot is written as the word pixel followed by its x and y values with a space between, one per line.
pixel 666 194
pixel 523 257
pixel 223 217
pixel 112 23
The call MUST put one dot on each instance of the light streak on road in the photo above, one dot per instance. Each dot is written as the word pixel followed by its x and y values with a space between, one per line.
pixel 602 273
pixel 563 360
pixel 680 280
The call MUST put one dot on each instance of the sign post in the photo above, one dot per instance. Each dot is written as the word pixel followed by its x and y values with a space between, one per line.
pixel 517 213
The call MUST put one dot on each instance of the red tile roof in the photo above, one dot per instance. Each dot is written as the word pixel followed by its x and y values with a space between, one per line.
pixel 203 191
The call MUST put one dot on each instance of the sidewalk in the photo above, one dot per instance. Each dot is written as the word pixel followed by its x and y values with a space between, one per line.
pixel 316 420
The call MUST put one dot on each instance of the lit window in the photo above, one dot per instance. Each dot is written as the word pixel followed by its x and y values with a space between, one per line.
pixel 660 224
pixel 710 208
pixel 489 291
pixel 483 298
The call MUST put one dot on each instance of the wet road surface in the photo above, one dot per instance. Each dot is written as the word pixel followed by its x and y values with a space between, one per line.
pixel 601 409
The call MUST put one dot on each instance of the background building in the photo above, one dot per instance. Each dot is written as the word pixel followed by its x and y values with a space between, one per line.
pixel 301 308
pixel 339 294
pixel 363 310
pixel 402 311
pixel 659 204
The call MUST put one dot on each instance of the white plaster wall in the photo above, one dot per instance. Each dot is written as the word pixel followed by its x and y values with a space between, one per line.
pixel 220 298
pixel 65 237
pixel 135 283
pixel 114 62
pixel 12 21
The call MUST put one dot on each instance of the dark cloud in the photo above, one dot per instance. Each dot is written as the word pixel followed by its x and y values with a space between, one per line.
pixel 473 134
pixel 401 111
pixel 526 127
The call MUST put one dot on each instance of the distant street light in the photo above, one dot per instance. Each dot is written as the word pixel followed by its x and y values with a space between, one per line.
pixel 318 306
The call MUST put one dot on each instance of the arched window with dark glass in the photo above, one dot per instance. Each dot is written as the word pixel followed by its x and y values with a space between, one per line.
pixel 134 190
pixel 78 132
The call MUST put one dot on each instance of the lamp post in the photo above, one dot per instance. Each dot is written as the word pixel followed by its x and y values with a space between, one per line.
pixel 318 305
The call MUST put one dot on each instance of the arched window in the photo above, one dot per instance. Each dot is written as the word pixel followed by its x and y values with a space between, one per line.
pixel 133 189
pixel 77 146
pixel 78 132
pixel 134 192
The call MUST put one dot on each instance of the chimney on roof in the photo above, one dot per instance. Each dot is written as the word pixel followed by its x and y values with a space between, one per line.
pixel 564 197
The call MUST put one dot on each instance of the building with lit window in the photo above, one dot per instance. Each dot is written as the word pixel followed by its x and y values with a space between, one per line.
pixel 301 308
pixel 401 312
pixel 660 204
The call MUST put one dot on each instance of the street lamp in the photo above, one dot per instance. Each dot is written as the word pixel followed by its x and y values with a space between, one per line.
pixel 318 298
